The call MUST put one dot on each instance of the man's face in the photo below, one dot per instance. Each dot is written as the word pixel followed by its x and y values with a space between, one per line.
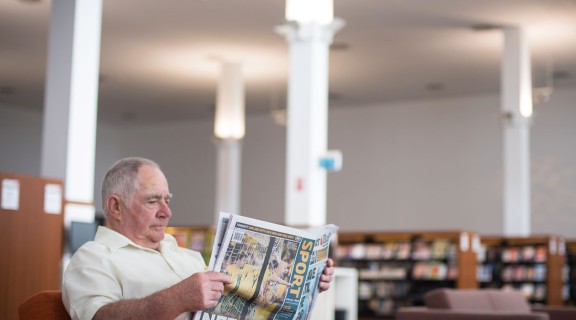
pixel 144 220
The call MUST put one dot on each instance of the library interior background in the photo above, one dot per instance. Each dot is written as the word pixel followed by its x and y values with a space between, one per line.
pixel 423 151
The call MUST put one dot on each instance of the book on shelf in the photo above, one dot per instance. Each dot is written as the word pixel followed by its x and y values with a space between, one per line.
pixel 539 292
pixel 364 290
pixel 485 272
pixel 389 251
pixel 403 250
pixel 528 253
pixel 540 272
pixel 511 254
pixel 430 271
pixel 421 250
pixel 373 251
pixel 540 254
pixel 357 251
pixel 440 249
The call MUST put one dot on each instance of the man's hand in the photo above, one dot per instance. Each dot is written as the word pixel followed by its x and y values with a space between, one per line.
pixel 327 276
pixel 202 290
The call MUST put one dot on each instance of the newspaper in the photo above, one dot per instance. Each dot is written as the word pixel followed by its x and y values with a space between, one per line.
pixel 275 269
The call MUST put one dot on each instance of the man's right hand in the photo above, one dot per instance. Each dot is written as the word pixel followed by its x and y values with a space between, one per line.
pixel 202 290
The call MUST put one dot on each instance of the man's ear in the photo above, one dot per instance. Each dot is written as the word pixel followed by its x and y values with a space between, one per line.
pixel 113 203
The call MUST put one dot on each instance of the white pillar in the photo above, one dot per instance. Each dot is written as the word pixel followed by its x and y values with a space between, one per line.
pixel 517 108
pixel 229 129
pixel 228 176
pixel 307 123
pixel 70 106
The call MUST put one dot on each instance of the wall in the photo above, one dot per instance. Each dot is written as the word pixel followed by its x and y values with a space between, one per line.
pixel 554 166
pixel 434 164
pixel 20 140
pixel 419 165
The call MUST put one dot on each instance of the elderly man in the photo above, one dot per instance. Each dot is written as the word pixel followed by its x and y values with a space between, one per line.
pixel 132 270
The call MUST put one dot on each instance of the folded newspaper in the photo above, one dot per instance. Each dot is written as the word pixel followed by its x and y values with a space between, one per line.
pixel 275 269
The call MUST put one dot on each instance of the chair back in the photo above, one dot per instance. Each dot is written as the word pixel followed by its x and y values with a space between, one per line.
pixel 44 305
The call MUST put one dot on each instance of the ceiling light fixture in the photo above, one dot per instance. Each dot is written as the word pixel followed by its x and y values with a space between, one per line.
pixel 306 11
pixel 229 121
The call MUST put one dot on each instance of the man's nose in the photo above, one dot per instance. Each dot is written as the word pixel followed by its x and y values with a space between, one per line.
pixel 165 209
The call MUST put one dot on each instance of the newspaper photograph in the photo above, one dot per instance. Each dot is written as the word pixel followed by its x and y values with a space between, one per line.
pixel 275 269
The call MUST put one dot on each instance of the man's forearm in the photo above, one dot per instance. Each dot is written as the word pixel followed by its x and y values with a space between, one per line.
pixel 156 306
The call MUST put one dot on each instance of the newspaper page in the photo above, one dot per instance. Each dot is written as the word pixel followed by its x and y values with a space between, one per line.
pixel 275 269
pixel 221 227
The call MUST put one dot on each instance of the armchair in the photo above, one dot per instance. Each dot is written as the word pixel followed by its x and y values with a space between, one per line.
pixel 44 305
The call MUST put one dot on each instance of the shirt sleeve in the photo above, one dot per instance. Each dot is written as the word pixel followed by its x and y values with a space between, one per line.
pixel 89 283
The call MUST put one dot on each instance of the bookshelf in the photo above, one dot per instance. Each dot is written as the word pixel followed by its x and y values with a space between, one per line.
pixel 198 238
pixel 571 264
pixel 396 269
pixel 534 265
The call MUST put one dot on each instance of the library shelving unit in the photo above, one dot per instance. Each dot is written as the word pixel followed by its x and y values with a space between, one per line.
pixel 571 260
pixel 489 264
pixel 397 268
pixel 534 265
pixel 198 238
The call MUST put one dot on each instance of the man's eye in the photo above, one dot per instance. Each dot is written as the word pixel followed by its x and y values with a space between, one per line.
pixel 153 201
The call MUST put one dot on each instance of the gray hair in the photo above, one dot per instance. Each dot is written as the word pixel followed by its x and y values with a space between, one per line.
pixel 122 179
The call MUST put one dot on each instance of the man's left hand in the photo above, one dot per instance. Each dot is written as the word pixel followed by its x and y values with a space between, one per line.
pixel 327 276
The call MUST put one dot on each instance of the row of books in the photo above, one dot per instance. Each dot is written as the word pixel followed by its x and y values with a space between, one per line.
pixel 419 250
pixel 388 250
pixel 382 289
pixel 525 254
pixel 521 273
pixel 438 249
pixel 488 254
pixel 514 273
pixel 385 272
pixel 434 271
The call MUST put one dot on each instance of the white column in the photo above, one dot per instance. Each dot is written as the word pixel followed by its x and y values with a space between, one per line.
pixel 307 121
pixel 229 129
pixel 517 108
pixel 228 176
pixel 70 105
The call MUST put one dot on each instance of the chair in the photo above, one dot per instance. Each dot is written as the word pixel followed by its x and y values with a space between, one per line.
pixel 44 305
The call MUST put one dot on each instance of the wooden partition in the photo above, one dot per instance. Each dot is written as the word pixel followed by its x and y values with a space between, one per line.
pixel 32 243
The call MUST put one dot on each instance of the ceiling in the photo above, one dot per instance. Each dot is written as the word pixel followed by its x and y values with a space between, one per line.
pixel 159 59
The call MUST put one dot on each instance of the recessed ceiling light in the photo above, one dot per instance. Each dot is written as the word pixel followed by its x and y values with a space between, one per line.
pixel 561 75
pixel 339 46
pixel 435 86
pixel 128 116
pixel 334 96
pixel 484 27
pixel 7 90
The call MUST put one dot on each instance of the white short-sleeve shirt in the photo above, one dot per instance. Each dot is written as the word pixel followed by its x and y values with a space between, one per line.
pixel 113 268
